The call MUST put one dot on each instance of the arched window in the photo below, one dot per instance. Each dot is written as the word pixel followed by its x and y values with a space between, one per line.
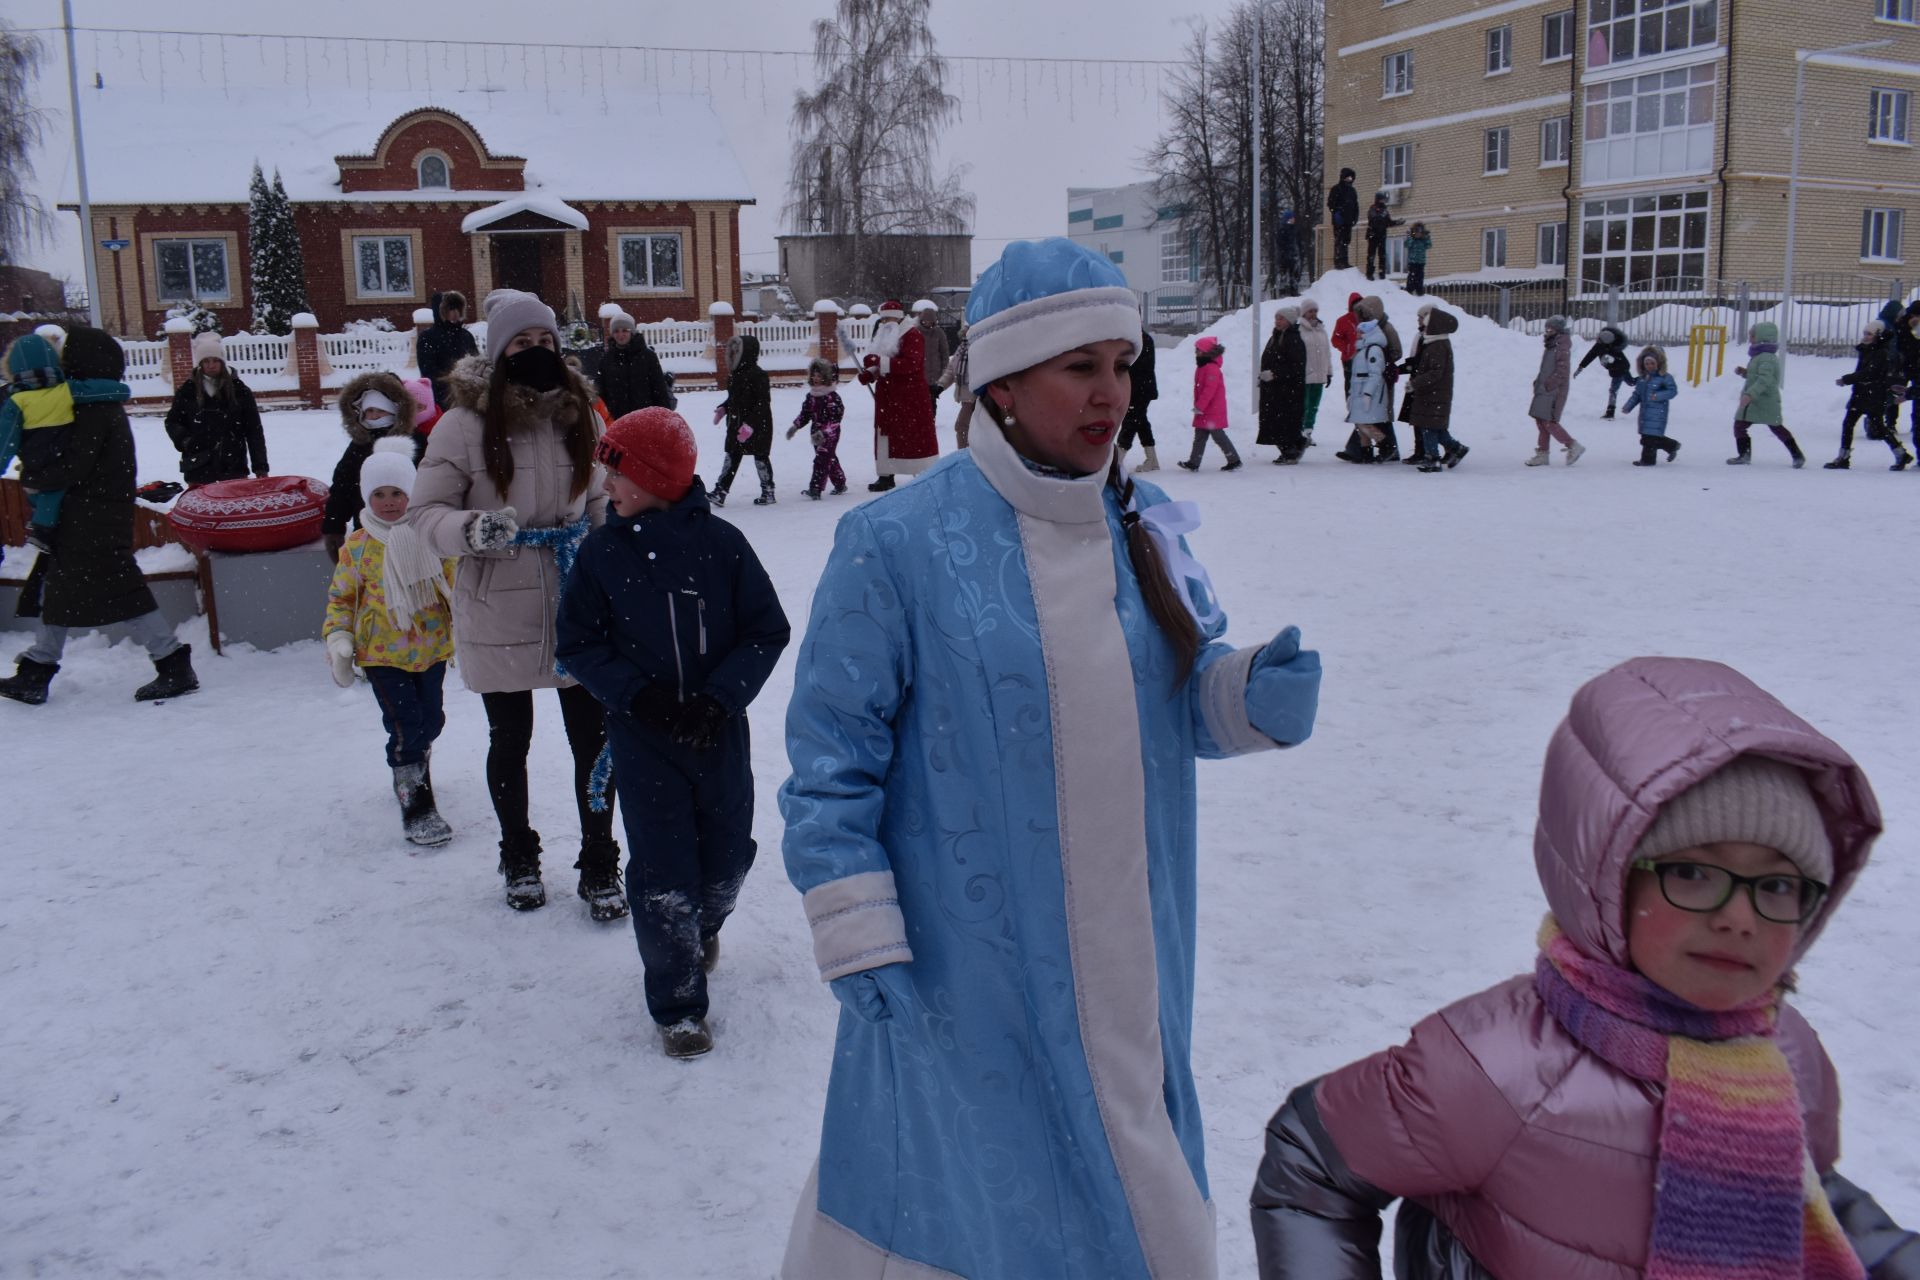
pixel 433 172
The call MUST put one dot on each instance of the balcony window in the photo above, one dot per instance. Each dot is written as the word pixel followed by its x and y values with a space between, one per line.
pixel 1620 31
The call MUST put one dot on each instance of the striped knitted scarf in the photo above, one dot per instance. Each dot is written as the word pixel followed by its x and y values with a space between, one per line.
pixel 1736 1196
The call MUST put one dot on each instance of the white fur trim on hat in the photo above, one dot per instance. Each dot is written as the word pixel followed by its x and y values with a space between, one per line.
pixel 389 466
pixel 924 304
pixel 1035 331
pixel 207 345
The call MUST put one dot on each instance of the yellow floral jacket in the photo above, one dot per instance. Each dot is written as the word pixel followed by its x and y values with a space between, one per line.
pixel 357 602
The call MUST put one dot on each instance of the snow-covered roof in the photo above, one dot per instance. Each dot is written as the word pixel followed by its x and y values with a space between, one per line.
pixel 194 145
pixel 546 206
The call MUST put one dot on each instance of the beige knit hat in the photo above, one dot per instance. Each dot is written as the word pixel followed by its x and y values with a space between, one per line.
pixel 1754 799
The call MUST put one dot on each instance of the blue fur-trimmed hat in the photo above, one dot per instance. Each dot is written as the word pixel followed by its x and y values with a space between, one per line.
pixel 1042 298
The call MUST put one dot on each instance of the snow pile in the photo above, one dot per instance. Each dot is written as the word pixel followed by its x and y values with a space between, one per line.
pixel 246 1024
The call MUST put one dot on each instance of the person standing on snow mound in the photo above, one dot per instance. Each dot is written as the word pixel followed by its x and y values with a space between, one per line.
pixel 672 623
pixel 508 486
pixel 1645 1103
pixel 1343 211
pixel 904 443
pixel 991 818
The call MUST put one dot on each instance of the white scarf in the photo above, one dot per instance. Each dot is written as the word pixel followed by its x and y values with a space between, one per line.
pixel 410 566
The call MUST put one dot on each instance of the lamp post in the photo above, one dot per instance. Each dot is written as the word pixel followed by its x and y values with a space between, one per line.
pixel 87 245
pixel 1801 57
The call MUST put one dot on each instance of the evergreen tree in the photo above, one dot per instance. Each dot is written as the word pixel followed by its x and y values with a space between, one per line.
pixel 279 268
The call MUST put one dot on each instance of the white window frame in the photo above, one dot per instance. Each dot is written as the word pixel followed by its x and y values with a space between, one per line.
pixel 194 291
pixel 1499 49
pixel 1550 244
pixel 649 285
pixel 1900 11
pixel 420 172
pixel 1396 255
pixel 1671 207
pixel 386 289
pixel 1176 256
pixel 1387 167
pixel 1615 111
pixel 1889 115
pixel 1568 22
pixel 1389 79
pixel 1880 231
pixel 1556 154
pixel 1628 16
pixel 1496 153
pixel 1493 248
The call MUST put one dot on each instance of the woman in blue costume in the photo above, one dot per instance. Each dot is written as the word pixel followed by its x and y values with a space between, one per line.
pixel 1010 668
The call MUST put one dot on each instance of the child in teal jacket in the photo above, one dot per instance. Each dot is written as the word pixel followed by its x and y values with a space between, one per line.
pixel 1760 398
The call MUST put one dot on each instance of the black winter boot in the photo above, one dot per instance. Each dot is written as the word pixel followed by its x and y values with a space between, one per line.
pixel 520 865
pixel 29 681
pixel 418 813
pixel 599 867
pixel 687 1038
pixel 1840 463
pixel 881 485
pixel 175 677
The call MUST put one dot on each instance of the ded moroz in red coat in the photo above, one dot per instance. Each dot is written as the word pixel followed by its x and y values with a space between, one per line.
pixel 904 443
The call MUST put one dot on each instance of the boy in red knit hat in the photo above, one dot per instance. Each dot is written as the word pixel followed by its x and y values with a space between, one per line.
pixel 670 620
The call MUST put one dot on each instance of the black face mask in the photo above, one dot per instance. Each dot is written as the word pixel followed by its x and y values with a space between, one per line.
pixel 536 368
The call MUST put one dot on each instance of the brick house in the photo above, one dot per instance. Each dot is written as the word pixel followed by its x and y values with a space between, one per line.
pixel 1642 144
pixel 626 197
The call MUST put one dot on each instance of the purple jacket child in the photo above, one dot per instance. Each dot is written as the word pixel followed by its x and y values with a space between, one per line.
pixel 1519 1152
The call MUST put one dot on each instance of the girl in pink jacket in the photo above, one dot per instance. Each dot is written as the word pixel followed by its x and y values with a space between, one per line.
pixel 1210 405
pixel 1645 1103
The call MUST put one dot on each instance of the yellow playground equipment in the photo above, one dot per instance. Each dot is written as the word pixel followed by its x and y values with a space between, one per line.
pixel 1706 343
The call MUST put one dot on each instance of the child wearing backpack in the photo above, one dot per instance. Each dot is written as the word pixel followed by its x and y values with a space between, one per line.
pixel 1645 1103
pixel 34 422
pixel 822 410
pixel 389 609
pixel 1653 391
pixel 670 621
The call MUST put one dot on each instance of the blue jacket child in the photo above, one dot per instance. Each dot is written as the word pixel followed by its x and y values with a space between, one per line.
pixel 670 620
pixel 1653 390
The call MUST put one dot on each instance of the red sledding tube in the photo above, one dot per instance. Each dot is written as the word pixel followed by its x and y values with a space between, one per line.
pixel 250 515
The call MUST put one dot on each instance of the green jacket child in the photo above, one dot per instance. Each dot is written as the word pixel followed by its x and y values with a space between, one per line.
pixel 1760 397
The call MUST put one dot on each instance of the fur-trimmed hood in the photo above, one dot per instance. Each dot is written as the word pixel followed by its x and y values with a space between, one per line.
pixel 467 389
pixel 1657 352
pixel 388 385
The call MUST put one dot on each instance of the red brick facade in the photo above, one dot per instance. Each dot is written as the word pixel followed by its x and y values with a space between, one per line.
pixel 573 270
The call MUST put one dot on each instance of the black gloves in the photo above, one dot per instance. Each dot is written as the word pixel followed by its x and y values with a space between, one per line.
pixel 701 721
pixel 657 707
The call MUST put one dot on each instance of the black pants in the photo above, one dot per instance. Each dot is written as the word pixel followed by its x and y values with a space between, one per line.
pixel 510 737
pixel 761 463
pixel 1884 425
pixel 689 820
pixel 1135 424
pixel 1743 443
pixel 1416 278
pixel 1376 249
pixel 411 708
pixel 1342 247
pixel 1651 445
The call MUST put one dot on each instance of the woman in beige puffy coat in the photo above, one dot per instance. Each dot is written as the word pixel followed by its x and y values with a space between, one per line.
pixel 507 481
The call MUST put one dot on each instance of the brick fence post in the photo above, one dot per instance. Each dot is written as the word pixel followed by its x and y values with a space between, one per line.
pixel 721 313
pixel 306 357
pixel 826 324
pixel 180 349
pixel 422 321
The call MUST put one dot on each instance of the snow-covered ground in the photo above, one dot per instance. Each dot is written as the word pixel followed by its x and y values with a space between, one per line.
pixel 249 1032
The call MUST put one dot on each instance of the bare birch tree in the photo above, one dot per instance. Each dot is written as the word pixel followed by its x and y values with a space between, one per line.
pixel 23 218
pixel 868 132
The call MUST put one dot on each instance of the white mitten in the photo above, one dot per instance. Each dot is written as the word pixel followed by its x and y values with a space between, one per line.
pixel 493 530
pixel 340 657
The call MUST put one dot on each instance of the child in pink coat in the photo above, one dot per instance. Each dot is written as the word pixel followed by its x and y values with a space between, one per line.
pixel 1645 1103
pixel 1210 406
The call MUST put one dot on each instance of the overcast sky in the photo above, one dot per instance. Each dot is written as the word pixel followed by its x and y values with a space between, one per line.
pixel 1075 127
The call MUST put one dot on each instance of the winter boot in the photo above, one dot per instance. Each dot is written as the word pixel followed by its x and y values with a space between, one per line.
pixel 1148 463
pixel 765 467
pixel 599 866
pixel 687 1038
pixel 881 485
pixel 1431 465
pixel 837 490
pixel 811 492
pixel 29 681
pixel 766 498
pixel 1187 466
pixel 175 677
pixel 1744 458
pixel 1574 452
pixel 418 813
pixel 718 498
pixel 710 953
pixel 1233 464
pixel 1608 415
pixel 1901 461
pixel 1455 456
pixel 1840 463
pixel 1539 458
pixel 520 866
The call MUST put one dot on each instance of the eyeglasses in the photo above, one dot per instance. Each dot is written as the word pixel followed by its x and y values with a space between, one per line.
pixel 1702 887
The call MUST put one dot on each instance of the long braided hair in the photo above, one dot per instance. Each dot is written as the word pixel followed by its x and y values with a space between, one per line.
pixel 1163 596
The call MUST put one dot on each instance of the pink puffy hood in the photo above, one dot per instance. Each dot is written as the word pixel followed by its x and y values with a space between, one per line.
pixel 1641 734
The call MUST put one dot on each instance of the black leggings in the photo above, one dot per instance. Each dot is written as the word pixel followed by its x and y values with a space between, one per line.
pixel 510 736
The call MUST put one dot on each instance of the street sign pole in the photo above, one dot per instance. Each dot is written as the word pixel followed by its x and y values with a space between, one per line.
pixel 80 161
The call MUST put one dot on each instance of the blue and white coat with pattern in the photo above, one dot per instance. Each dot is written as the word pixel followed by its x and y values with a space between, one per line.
pixel 992 806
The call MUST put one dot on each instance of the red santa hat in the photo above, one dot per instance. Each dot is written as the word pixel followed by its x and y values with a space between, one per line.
pixel 891 310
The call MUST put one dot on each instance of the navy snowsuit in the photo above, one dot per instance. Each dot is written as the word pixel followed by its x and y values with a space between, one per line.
pixel 675 597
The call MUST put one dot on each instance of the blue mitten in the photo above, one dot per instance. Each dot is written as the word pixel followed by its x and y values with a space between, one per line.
pixel 1283 689
pixel 861 994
